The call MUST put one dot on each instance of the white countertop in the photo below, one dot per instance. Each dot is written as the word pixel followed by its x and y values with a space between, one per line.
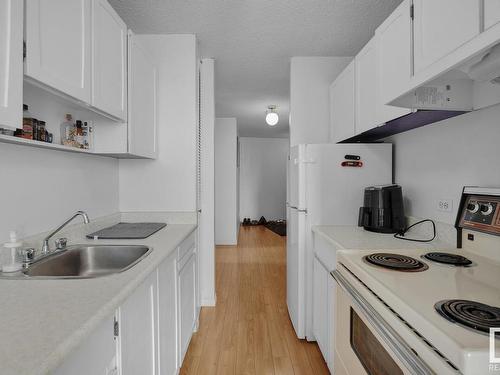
pixel 42 321
pixel 353 237
pixel 340 237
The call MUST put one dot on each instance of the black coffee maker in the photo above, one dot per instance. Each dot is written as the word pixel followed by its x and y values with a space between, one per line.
pixel 383 210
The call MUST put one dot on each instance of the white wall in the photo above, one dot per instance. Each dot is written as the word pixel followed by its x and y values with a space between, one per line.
pixel 310 79
pixel 41 188
pixel 168 183
pixel 263 177
pixel 226 182
pixel 436 161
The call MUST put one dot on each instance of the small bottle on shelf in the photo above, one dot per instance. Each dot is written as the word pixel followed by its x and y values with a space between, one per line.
pixel 79 139
pixel 28 122
pixel 67 131
pixel 87 134
pixel 41 131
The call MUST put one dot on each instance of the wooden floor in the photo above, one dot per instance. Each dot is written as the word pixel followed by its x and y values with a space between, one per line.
pixel 249 331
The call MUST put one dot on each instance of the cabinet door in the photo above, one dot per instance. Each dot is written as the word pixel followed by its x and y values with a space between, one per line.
pixel 366 87
pixel 109 60
pixel 96 355
pixel 187 304
pixel 142 101
pixel 491 13
pixel 342 105
pixel 11 63
pixel 320 307
pixel 58 41
pixel 167 316
pixel 442 26
pixel 138 327
pixel 394 46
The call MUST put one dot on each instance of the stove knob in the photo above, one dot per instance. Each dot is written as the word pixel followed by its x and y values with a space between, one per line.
pixel 486 209
pixel 473 207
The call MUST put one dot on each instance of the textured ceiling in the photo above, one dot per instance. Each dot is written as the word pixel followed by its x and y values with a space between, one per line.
pixel 253 40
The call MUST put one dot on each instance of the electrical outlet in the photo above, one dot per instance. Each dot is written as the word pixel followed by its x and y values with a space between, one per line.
pixel 445 205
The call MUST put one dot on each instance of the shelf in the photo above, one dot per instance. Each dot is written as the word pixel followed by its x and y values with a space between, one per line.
pixel 38 144
pixel 58 147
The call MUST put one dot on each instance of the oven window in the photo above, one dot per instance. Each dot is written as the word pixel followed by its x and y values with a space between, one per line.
pixel 370 352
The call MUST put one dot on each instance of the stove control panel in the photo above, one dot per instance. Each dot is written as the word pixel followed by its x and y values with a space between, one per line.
pixel 481 213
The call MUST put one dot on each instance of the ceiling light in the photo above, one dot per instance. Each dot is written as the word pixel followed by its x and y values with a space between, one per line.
pixel 272 116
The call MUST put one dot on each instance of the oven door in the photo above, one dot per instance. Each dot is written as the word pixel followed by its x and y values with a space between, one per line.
pixel 364 342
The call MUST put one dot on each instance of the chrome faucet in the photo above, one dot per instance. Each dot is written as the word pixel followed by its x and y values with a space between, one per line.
pixel 45 246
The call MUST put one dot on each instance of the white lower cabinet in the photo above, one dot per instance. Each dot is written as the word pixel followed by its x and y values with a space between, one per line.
pixel 167 316
pixel 151 331
pixel 97 355
pixel 138 321
pixel 320 307
pixel 324 299
pixel 187 296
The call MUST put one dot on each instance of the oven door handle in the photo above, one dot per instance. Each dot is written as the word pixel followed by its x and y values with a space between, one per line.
pixel 397 345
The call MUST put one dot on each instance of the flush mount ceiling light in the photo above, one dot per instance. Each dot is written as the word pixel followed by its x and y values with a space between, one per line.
pixel 272 116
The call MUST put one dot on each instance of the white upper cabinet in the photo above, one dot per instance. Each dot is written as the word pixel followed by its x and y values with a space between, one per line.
pixel 11 62
pixel 442 26
pixel 58 45
pixel 343 105
pixel 366 87
pixel 491 13
pixel 394 64
pixel 142 100
pixel 109 60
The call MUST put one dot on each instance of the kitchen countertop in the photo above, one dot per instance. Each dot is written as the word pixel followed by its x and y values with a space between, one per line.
pixel 42 321
pixel 353 237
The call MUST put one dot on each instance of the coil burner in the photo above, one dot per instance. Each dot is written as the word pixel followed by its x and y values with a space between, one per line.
pixel 470 314
pixel 450 259
pixel 396 262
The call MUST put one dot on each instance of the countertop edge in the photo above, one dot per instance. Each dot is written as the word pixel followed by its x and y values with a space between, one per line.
pixel 318 230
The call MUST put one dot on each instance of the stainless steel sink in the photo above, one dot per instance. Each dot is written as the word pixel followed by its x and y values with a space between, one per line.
pixel 88 261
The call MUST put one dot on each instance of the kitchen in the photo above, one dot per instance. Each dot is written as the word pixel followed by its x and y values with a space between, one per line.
pixel 422 78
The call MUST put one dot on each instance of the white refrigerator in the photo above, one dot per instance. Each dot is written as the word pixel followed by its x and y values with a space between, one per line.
pixel 323 192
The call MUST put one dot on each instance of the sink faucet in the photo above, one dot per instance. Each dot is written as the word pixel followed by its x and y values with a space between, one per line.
pixel 45 246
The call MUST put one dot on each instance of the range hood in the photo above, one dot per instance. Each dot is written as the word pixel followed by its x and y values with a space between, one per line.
pixel 402 124
pixel 485 67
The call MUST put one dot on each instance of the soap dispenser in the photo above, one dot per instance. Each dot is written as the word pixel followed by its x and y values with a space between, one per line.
pixel 11 262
